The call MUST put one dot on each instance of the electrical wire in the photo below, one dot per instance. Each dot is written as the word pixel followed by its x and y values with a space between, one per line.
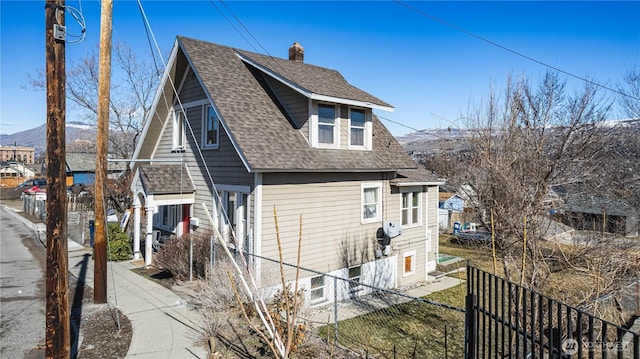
pixel 77 15
pixel 517 53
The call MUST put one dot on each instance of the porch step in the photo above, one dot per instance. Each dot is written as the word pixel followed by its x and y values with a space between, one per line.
pixel 437 275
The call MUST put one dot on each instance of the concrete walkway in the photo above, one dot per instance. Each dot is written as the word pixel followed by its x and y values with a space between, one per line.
pixel 163 325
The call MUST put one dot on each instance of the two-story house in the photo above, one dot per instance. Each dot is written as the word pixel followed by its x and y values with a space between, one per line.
pixel 242 134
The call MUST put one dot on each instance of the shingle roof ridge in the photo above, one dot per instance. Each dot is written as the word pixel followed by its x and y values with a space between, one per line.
pixel 282 67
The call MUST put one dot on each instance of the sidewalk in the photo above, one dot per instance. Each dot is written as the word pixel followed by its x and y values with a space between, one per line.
pixel 162 323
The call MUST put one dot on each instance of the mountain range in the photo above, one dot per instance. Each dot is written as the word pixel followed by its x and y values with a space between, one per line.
pixel 415 142
pixel 37 137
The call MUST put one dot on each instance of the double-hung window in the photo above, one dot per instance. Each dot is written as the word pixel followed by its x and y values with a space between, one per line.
pixel 410 208
pixel 211 128
pixel 178 137
pixel 371 202
pixel 327 126
pixel 357 128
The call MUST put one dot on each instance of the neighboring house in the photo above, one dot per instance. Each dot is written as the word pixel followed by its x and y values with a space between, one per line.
pixel 248 135
pixel 15 169
pixel 596 213
pixel 81 168
pixel 451 206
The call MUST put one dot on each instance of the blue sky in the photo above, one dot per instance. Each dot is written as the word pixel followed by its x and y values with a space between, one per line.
pixel 430 72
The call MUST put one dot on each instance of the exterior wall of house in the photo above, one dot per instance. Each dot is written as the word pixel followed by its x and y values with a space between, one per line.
pixel 224 163
pixel 330 204
pixel 295 104
pixel 432 228
pixel 191 89
pixel 333 235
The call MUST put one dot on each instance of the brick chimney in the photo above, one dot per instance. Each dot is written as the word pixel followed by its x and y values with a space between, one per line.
pixel 296 52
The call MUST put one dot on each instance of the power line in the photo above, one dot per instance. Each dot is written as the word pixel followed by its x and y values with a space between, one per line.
pixel 467 32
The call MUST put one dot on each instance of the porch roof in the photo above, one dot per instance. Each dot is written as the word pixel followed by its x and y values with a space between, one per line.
pixel 166 179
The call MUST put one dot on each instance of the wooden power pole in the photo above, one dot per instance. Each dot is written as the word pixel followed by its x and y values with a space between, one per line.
pixel 58 333
pixel 104 82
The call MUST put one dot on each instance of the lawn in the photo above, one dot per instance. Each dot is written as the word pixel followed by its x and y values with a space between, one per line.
pixel 408 330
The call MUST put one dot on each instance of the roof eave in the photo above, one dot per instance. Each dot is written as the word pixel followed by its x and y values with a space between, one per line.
pixel 420 183
pixel 326 170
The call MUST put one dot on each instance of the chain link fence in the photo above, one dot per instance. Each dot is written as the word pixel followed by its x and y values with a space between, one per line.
pixel 357 310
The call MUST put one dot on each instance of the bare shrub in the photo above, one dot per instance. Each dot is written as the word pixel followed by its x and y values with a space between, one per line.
pixel 292 330
pixel 173 256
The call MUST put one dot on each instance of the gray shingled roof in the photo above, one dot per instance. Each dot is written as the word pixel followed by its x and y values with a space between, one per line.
pixel 315 79
pixel 166 179
pixel 86 162
pixel 262 132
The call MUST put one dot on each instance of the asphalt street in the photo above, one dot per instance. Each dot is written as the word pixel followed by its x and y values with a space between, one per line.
pixel 22 287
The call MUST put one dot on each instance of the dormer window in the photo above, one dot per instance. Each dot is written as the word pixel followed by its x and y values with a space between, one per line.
pixel 359 129
pixel 341 127
pixel 356 128
pixel 327 126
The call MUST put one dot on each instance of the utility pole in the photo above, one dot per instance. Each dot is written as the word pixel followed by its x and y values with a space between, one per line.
pixel 58 333
pixel 104 83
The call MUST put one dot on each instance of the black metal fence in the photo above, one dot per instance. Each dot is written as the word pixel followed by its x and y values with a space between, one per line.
pixel 505 320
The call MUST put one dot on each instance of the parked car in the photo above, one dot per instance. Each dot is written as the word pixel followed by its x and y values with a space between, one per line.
pixel 40 182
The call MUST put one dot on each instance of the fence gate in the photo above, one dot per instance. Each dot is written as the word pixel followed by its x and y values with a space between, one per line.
pixel 505 320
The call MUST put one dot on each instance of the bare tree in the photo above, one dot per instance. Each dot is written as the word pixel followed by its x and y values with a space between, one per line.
pixel 527 143
pixel 133 85
pixel 629 91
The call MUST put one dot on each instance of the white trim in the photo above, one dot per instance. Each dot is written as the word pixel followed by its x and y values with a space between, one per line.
pixel 156 101
pixel 427 246
pixel 324 290
pixel 177 143
pixel 315 125
pixel 310 94
pixel 233 188
pixel 413 184
pixel 257 216
pixel 411 253
pixel 192 104
pixel 378 216
pixel 410 219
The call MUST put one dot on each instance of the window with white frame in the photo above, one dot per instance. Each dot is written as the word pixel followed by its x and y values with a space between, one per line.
pixel 317 289
pixel 327 126
pixel 354 277
pixel 357 128
pixel 210 128
pixel 409 263
pixel 167 217
pixel 178 136
pixel 410 208
pixel 371 202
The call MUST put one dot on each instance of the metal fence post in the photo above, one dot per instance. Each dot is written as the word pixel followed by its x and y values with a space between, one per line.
pixel 335 309
pixel 470 335
pixel 211 253
pixel 190 258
